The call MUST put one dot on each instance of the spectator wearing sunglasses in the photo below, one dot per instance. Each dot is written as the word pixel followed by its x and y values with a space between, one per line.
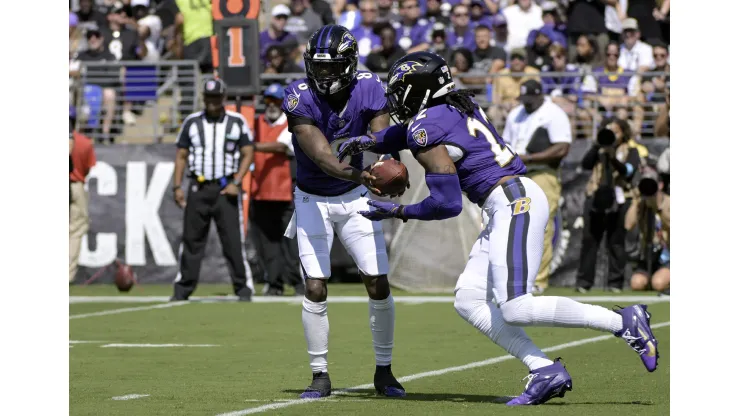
pixel 413 31
pixel 634 54
pixel 612 90
pixel 461 35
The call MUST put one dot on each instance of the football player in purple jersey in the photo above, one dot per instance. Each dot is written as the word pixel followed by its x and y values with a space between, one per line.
pixel 333 103
pixel 450 136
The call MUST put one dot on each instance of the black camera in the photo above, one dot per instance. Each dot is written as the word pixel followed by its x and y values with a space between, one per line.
pixel 649 181
pixel 606 138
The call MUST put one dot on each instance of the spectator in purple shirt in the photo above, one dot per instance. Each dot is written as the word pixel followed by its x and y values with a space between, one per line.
pixel 461 35
pixel 275 34
pixel 538 54
pixel 434 13
pixel 413 32
pixel 563 89
pixel 367 41
pixel 478 16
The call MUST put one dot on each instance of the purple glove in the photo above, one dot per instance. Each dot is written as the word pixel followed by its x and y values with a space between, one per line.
pixel 383 210
pixel 355 145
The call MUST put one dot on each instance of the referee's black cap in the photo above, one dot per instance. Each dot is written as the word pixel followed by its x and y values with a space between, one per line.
pixel 214 87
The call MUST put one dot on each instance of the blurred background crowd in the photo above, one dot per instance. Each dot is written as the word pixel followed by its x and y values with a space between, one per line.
pixel 595 58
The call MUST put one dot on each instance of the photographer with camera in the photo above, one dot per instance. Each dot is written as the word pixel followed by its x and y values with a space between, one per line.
pixel 653 216
pixel 614 158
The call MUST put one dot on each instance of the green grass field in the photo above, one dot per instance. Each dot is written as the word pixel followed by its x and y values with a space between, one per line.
pixel 222 357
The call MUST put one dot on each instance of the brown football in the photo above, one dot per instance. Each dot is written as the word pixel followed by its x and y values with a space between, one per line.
pixel 391 176
pixel 125 277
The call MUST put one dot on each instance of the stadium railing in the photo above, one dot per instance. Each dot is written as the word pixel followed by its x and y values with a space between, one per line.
pixel 158 95
pixel 161 94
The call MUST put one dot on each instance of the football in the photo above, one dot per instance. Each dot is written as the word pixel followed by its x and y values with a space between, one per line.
pixel 391 176
pixel 125 277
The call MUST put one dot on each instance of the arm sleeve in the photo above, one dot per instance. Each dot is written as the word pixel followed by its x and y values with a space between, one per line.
pixel 559 127
pixel 392 139
pixel 444 200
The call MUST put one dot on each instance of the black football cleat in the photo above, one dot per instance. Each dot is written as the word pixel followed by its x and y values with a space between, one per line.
pixel 320 387
pixel 386 384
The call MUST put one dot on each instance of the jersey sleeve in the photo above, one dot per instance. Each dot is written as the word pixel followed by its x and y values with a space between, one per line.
pixel 183 137
pixel 297 105
pixel 423 133
pixel 377 103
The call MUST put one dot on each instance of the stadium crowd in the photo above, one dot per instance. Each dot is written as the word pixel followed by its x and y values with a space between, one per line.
pixel 603 62
pixel 596 58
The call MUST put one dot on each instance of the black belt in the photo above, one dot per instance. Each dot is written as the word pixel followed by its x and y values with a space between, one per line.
pixel 200 180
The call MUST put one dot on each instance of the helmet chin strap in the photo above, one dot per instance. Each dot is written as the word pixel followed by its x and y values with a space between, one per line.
pixel 424 101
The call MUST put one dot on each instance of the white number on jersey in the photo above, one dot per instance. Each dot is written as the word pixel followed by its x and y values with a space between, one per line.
pixel 367 75
pixel 502 154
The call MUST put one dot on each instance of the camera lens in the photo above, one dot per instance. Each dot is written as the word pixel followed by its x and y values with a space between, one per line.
pixel 648 186
pixel 606 137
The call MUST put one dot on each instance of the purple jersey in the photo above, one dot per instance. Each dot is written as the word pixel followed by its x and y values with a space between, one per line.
pixel 410 36
pixel 266 41
pixel 481 156
pixel 467 40
pixel 366 99
pixel 366 41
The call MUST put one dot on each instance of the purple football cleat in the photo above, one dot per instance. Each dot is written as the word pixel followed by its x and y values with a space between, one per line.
pixel 638 335
pixel 544 384
pixel 386 384
pixel 320 387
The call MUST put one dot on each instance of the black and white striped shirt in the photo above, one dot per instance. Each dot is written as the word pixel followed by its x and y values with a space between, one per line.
pixel 214 145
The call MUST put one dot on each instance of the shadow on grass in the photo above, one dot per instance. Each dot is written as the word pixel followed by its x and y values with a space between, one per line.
pixel 370 394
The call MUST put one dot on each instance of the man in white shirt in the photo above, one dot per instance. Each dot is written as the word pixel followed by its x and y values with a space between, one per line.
pixel 540 132
pixel 634 54
pixel 522 18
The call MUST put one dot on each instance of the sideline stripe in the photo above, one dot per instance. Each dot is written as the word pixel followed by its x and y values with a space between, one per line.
pixel 434 373
pixel 338 299
pixel 130 396
pixel 124 310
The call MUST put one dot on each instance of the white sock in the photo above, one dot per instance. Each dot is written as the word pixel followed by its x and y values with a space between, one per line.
pixel 382 321
pixel 316 330
pixel 486 317
pixel 558 311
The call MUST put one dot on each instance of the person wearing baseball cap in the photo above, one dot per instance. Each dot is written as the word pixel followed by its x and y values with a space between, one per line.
pixel 275 33
pixel 271 207
pixel 634 54
pixel 500 31
pixel 539 131
pixel 215 147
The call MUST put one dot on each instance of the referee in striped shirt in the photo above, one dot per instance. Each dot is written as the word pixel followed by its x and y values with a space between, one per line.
pixel 216 146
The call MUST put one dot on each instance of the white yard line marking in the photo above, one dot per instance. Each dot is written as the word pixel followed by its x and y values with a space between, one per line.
pixel 434 373
pixel 124 310
pixel 156 345
pixel 336 299
pixel 130 396
pixel 86 342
